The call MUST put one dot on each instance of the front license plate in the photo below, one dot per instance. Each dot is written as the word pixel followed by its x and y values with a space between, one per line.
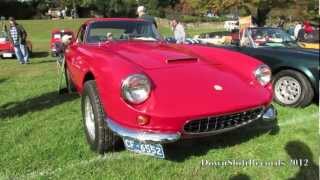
pixel 7 55
pixel 155 150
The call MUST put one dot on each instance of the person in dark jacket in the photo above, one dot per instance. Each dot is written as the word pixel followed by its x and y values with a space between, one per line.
pixel 142 14
pixel 308 34
pixel 18 37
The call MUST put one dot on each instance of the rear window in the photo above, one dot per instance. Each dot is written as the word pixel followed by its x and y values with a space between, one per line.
pixel 57 36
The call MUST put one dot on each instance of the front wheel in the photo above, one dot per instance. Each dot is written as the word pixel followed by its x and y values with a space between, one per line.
pixel 99 136
pixel 292 88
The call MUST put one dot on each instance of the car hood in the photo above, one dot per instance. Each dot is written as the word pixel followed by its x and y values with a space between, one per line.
pixel 155 55
pixel 194 80
pixel 204 90
pixel 187 80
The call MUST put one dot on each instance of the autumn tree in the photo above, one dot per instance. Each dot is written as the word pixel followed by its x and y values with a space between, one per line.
pixel 260 9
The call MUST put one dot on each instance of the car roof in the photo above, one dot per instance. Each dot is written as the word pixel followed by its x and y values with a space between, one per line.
pixel 112 19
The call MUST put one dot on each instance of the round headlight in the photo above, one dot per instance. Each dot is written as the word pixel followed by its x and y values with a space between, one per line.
pixel 263 74
pixel 136 88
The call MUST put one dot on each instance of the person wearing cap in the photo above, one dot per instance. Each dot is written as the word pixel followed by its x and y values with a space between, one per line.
pixel 18 37
pixel 142 14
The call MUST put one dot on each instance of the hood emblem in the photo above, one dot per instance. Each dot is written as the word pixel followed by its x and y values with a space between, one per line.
pixel 217 87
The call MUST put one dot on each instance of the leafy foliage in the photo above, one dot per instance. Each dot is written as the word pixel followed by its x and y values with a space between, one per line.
pixel 165 8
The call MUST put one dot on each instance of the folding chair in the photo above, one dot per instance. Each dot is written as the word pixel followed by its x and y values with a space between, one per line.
pixel 60 66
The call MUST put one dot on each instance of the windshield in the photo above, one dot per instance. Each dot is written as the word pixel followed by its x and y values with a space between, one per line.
pixel 122 30
pixel 271 37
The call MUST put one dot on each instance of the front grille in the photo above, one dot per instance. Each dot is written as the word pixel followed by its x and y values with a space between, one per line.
pixel 218 123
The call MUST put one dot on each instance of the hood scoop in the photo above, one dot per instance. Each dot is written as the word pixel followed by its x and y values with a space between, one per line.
pixel 182 60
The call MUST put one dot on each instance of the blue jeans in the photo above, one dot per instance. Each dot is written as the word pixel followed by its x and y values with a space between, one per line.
pixel 22 53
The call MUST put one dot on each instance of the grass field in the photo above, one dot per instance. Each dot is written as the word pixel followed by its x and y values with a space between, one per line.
pixel 41 134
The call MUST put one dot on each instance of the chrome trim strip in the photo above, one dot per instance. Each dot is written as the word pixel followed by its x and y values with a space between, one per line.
pixel 142 136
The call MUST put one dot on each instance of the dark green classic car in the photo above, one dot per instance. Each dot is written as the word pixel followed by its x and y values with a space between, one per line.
pixel 295 70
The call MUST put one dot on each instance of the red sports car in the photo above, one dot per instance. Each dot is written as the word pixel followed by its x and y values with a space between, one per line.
pixel 56 39
pixel 6 48
pixel 138 87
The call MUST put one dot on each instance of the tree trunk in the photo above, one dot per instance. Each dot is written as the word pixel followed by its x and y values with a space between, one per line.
pixel 262 15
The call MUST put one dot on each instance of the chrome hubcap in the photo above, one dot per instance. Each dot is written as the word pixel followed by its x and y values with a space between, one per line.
pixel 89 118
pixel 288 90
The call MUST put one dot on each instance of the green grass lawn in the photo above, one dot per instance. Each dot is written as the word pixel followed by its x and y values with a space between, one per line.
pixel 41 134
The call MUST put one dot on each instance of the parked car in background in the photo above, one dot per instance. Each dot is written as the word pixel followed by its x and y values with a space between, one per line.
pixel 295 70
pixel 214 38
pixel 6 48
pixel 307 40
pixel 309 45
pixel 56 39
pixel 149 92
pixel 54 13
pixel 310 41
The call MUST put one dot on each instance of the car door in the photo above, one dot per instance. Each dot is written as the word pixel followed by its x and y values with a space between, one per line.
pixel 76 57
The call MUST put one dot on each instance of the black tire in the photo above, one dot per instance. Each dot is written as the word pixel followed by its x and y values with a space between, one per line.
pixel 306 91
pixel 104 140
pixel 70 86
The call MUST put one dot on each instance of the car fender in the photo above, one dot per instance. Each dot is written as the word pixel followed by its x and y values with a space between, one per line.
pixel 108 71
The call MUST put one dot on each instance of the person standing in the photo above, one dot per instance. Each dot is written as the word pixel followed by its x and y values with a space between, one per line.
pixel 18 37
pixel 281 23
pixel 297 29
pixel 178 31
pixel 142 14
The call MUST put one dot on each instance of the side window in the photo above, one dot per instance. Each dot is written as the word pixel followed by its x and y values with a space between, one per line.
pixel 80 37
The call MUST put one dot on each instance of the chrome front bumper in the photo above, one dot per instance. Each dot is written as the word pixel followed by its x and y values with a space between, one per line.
pixel 2 54
pixel 269 114
pixel 142 136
